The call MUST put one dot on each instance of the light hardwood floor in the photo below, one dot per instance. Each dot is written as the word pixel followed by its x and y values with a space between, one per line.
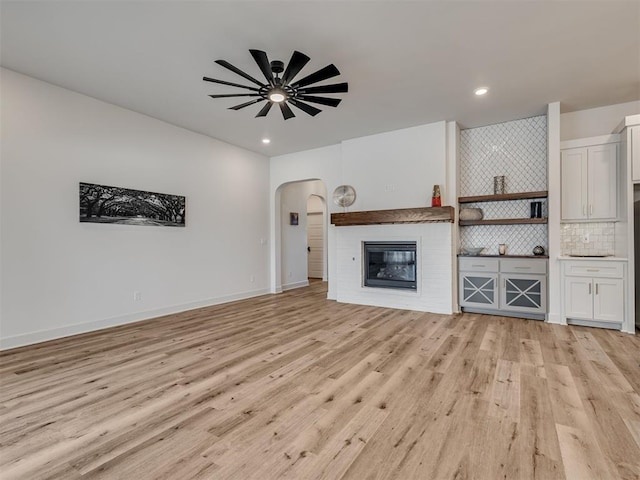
pixel 294 386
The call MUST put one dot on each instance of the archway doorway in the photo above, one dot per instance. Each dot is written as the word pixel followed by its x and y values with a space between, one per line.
pixel 290 253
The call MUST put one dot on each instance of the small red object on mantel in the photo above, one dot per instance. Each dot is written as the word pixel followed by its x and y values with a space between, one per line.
pixel 436 200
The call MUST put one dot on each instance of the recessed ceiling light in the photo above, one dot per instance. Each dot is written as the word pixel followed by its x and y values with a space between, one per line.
pixel 266 141
pixel 481 91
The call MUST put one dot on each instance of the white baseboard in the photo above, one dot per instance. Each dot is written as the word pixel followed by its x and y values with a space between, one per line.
pixel 75 329
pixel 555 318
pixel 291 286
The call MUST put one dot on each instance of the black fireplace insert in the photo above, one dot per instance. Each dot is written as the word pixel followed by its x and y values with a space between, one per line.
pixel 390 265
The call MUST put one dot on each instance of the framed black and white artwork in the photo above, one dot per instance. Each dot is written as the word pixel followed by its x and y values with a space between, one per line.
pixel 104 204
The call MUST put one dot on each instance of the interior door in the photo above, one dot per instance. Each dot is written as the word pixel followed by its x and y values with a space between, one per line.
pixel 315 245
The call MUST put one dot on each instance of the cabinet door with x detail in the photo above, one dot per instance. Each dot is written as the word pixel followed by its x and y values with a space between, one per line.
pixel 523 293
pixel 478 290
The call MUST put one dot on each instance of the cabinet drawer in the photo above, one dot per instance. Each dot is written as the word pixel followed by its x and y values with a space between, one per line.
pixel 516 265
pixel 476 264
pixel 594 269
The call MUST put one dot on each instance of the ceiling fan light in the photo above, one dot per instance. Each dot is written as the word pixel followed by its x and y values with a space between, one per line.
pixel 277 95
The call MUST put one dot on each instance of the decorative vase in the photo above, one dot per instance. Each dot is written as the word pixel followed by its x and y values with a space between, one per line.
pixel 471 214
pixel 436 199
pixel 539 250
pixel 498 185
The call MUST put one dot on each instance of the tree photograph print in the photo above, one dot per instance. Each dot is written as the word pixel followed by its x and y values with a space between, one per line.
pixel 102 204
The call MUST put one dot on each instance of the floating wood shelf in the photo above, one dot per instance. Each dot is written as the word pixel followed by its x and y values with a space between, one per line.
pixel 503 197
pixel 404 215
pixel 502 256
pixel 503 221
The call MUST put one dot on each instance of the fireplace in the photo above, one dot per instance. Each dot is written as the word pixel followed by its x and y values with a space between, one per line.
pixel 390 265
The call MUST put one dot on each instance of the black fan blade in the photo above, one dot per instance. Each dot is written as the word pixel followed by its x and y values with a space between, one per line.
pixel 324 73
pixel 229 95
pixel 228 66
pixel 333 88
pixel 223 82
pixel 332 102
pixel 263 62
pixel 286 111
pixel 263 112
pixel 242 105
pixel 310 109
pixel 297 62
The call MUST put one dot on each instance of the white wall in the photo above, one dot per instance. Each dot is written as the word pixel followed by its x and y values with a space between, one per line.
pixel 294 198
pixel 554 120
pixel 60 276
pixel 595 121
pixel 396 169
pixel 390 170
pixel 320 163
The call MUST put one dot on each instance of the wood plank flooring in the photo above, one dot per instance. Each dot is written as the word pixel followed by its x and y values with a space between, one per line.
pixel 294 386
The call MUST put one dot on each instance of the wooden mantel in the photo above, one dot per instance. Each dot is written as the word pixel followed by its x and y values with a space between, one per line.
pixel 403 215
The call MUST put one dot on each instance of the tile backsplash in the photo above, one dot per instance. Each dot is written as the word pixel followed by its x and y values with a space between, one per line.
pixel 601 238
pixel 519 240
pixel 517 150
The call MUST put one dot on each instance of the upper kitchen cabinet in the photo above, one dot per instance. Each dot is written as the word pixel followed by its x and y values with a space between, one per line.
pixel 589 179
pixel 634 135
pixel 629 130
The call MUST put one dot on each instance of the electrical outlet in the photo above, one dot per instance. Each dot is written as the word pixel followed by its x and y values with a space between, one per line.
pixel 137 296
pixel 252 278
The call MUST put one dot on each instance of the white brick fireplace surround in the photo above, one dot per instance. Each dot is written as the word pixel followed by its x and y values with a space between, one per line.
pixel 434 253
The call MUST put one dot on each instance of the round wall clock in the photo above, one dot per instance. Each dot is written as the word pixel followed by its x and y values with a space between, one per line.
pixel 344 195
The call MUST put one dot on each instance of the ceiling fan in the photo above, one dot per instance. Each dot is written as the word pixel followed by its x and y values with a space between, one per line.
pixel 283 90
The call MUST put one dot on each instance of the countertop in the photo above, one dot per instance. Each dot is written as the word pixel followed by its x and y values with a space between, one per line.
pixel 593 259
pixel 503 256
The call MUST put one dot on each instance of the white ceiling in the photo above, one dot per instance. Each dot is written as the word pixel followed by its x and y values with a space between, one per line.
pixel 407 63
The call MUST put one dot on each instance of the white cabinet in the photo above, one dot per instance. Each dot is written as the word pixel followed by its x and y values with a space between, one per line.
pixel 589 183
pixel 504 286
pixel 634 152
pixel 578 302
pixel 594 291
pixel 629 130
pixel 608 299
